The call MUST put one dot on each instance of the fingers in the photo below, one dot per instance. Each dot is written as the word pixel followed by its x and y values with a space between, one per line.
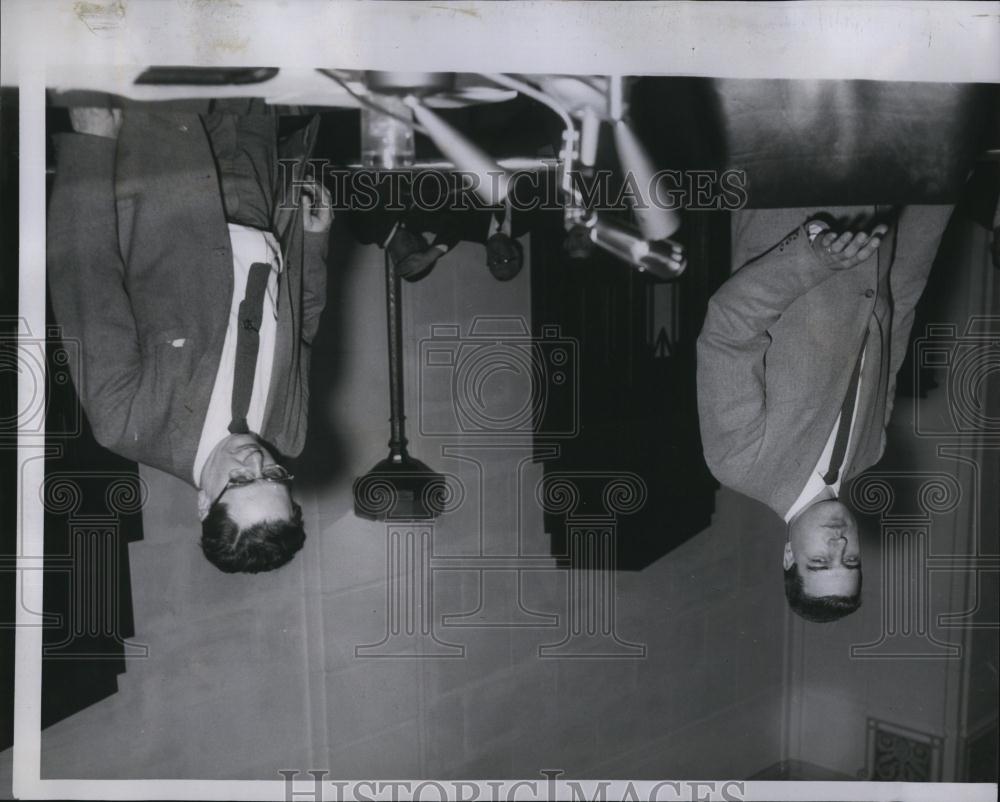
pixel 678 257
pixel 855 245
pixel 872 244
pixel 317 207
pixel 676 249
pixel 325 198
pixel 869 249
pixel 841 242
pixel 850 248
pixel 316 194
pixel 309 194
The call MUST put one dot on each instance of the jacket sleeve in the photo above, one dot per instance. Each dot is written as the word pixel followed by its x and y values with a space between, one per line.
pixel 314 252
pixel 732 348
pixel 86 276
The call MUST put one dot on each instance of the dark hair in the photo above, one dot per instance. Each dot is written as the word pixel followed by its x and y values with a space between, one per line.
pixel 262 547
pixel 819 609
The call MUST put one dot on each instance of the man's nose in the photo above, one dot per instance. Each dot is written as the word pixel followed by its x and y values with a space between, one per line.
pixel 254 460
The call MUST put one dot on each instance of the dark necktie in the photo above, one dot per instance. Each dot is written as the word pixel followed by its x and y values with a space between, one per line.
pixel 247 344
pixel 846 418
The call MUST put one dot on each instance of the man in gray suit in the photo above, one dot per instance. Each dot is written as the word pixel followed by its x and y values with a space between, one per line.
pixel 797 364
pixel 194 280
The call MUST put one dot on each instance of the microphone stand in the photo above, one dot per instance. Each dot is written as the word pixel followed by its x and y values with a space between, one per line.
pixel 400 487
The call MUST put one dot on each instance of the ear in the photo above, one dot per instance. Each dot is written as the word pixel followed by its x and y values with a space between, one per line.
pixel 787 559
pixel 204 502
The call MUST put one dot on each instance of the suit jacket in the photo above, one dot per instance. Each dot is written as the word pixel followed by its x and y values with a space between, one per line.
pixel 140 274
pixel 780 341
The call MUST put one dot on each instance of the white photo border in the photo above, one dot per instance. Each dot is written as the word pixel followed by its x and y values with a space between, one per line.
pixel 913 41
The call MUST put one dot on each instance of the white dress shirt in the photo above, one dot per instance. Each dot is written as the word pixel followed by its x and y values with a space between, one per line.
pixel 249 245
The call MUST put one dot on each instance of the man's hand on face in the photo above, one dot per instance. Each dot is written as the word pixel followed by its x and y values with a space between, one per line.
pixel 317 208
pixel 96 121
pixel 849 248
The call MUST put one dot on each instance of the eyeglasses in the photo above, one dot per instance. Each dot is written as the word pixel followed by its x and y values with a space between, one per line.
pixel 241 477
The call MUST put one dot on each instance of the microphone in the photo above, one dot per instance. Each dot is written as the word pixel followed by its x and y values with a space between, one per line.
pixel 664 259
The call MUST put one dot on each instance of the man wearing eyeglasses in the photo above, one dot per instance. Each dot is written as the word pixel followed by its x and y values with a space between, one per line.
pixel 194 280
pixel 242 485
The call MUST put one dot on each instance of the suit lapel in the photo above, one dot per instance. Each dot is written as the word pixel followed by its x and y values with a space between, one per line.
pixel 865 448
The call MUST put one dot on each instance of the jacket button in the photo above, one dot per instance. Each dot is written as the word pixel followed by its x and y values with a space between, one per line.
pixel 869 293
pixel 183 129
pixel 220 251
